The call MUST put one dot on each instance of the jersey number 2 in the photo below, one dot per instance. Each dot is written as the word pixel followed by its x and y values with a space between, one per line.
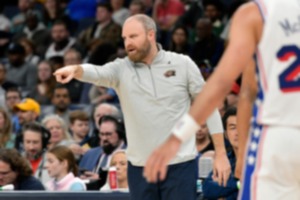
pixel 289 79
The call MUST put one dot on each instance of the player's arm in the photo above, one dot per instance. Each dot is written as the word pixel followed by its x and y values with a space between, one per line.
pixel 244 113
pixel 244 36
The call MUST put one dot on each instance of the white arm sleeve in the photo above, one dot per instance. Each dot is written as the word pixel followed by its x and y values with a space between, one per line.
pixel 214 123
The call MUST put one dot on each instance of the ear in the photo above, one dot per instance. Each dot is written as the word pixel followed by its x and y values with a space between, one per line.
pixel 65 164
pixel 151 35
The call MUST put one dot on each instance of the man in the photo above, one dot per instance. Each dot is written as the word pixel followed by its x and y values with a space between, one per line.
pixel 211 189
pixel 14 169
pixel 4 85
pixel 18 71
pixel 136 7
pixel 61 40
pixel 12 97
pixel 35 141
pixel 155 88
pixel 99 111
pixel 61 102
pixel 272 167
pixel 112 137
pixel 28 110
pixel 105 30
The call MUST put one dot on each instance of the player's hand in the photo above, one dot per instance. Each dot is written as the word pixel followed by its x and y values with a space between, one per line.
pixel 66 74
pixel 157 163
pixel 222 168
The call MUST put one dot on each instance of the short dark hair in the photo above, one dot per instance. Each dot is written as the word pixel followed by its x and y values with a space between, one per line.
pixel 13 89
pixel 231 111
pixel 120 128
pixel 107 6
pixel 38 128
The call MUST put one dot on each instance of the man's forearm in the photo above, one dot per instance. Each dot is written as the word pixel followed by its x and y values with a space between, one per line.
pixel 79 72
pixel 218 140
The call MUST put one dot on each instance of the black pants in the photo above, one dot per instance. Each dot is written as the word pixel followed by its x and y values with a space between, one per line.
pixel 180 183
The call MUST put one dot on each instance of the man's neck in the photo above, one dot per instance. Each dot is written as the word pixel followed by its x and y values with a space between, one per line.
pixel 202 143
pixel 77 138
pixel 151 56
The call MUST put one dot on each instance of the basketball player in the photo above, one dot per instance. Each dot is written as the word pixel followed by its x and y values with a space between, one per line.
pixel 270 29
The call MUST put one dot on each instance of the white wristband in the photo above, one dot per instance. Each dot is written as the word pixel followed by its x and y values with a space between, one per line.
pixel 185 128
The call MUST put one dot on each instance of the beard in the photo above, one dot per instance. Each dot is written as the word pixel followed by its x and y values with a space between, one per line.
pixel 140 53
pixel 108 148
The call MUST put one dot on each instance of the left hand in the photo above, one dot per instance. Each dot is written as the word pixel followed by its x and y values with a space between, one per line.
pixel 222 169
pixel 157 163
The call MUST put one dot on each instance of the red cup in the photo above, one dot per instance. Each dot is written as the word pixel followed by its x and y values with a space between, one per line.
pixel 112 177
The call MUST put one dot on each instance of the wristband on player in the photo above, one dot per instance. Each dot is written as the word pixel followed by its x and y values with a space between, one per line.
pixel 185 128
pixel 238 185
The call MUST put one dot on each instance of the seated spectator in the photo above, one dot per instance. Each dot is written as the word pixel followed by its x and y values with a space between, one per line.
pixel 58 130
pixel 61 40
pixel 7 138
pixel 112 138
pixel 203 141
pixel 165 14
pixel 120 13
pixel 213 11
pixel 44 90
pixel 61 166
pixel 14 169
pixel 104 30
pixel 18 71
pixel 60 103
pixel 29 47
pixel 18 20
pixel 53 12
pixel 79 126
pixel 4 84
pixel 208 46
pixel 211 188
pixel 5 23
pixel 28 110
pixel 137 7
pixel 12 97
pixel 35 31
pixel 119 161
pixel 35 139
pixel 99 111
pixel 179 41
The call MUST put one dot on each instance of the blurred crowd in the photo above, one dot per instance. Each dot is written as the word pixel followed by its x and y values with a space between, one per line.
pixel 65 137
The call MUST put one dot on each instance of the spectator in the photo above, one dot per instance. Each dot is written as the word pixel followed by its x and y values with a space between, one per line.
pixel 28 110
pixel 60 103
pixel 79 126
pixel 5 23
pixel 14 169
pixel 12 97
pixel 44 90
pixel 211 188
pixel 61 166
pixel 18 71
pixel 18 21
pixel 4 84
pixel 53 12
pixel 119 161
pixel 35 139
pixel 165 14
pixel 203 141
pixel 61 40
pixel 99 111
pixel 7 138
pixel 29 47
pixel 209 46
pixel 105 30
pixel 213 11
pixel 137 7
pixel 112 137
pixel 58 130
pixel 179 41
pixel 120 13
